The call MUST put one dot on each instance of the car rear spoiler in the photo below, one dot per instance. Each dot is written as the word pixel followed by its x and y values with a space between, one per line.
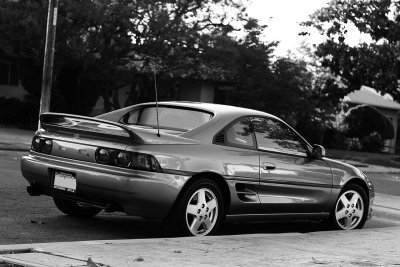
pixel 76 124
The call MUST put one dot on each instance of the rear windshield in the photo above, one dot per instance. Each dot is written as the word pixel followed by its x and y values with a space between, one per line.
pixel 169 118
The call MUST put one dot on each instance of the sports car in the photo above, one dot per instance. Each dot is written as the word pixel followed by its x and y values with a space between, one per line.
pixel 192 166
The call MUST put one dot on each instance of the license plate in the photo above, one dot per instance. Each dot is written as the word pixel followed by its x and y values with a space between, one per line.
pixel 64 181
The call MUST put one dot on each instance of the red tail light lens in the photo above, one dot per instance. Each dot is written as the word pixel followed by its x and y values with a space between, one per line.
pixel 123 159
pixel 141 161
pixel 47 146
pixel 42 145
pixel 103 155
pixel 145 162
pixel 35 144
pixel 155 166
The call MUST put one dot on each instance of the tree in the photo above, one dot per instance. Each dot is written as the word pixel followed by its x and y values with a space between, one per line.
pixel 370 126
pixel 104 44
pixel 374 62
pixel 23 31
pixel 309 94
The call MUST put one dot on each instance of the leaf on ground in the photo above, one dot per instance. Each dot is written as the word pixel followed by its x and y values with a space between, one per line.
pixel 37 222
pixel 91 263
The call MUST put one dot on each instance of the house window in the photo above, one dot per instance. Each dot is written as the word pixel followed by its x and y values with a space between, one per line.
pixel 8 74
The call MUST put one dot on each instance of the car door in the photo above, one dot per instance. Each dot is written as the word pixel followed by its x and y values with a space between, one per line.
pixel 239 155
pixel 290 181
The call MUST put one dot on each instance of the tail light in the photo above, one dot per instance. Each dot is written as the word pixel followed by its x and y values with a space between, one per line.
pixel 103 155
pixel 43 145
pixel 141 161
pixel 35 144
pixel 47 146
pixel 123 159
pixel 132 160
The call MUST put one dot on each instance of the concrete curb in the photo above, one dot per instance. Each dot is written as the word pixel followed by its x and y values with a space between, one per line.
pixel 372 247
pixel 14 146
pixel 386 207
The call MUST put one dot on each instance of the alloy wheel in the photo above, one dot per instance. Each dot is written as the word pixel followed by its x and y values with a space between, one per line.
pixel 349 210
pixel 201 212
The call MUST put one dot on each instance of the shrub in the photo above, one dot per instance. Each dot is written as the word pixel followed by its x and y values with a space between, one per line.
pixel 370 126
pixel 20 113
pixel 334 139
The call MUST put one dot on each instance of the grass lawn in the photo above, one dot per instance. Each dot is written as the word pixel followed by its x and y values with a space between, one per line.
pixel 381 159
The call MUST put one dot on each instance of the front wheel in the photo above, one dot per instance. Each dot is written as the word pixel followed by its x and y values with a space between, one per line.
pixel 75 209
pixel 351 208
pixel 200 210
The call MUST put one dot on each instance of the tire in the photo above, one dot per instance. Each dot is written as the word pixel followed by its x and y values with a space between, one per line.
pixel 199 210
pixel 351 209
pixel 74 209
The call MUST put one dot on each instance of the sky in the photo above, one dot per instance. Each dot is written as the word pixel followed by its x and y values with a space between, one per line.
pixel 282 17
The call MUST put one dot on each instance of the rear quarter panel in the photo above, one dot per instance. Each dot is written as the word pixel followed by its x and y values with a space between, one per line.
pixel 238 167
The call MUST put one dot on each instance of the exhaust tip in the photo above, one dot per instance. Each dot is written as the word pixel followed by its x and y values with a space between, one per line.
pixel 33 190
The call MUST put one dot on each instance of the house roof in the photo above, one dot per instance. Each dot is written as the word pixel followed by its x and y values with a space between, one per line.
pixel 369 96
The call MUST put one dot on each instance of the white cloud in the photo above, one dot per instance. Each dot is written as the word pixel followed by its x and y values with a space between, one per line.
pixel 282 18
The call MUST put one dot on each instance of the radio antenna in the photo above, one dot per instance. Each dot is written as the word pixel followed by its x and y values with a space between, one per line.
pixel 155 88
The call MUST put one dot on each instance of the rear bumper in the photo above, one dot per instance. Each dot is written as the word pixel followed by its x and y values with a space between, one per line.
pixel 140 193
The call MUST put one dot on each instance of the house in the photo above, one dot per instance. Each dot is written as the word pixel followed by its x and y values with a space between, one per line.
pixel 184 90
pixel 385 104
pixel 10 85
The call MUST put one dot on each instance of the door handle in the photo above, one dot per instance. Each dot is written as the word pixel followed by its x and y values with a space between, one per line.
pixel 268 166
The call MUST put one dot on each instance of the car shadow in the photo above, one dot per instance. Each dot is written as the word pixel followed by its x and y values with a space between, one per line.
pixel 107 226
pixel 120 226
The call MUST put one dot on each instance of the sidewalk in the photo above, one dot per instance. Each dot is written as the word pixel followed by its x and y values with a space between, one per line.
pixel 15 139
pixel 372 247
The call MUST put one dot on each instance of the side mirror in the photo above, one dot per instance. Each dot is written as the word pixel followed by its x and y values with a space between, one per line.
pixel 318 152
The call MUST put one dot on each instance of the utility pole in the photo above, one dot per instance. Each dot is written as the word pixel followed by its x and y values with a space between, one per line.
pixel 48 56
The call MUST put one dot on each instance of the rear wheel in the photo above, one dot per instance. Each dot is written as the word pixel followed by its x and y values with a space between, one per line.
pixel 351 208
pixel 199 211
pixel 75 209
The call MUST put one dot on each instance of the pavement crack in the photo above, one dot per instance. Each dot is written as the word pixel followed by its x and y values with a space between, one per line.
pixel 71 258
pixel 319 262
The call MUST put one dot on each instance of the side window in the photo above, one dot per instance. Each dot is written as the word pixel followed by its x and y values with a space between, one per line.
pixel 178 118
pixel 240 134
pixel 273 134
pixel 131 117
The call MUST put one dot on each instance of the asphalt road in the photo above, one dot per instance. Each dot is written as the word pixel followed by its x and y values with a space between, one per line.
pixel 386 183
pixel 25 219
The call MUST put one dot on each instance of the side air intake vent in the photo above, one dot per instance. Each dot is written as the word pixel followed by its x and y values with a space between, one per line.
pixel 220 138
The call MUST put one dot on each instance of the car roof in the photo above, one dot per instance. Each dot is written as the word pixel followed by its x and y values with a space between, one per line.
pixel 222 115
pixel 216 109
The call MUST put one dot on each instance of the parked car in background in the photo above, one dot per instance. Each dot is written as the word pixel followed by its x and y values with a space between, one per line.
pixel 200 165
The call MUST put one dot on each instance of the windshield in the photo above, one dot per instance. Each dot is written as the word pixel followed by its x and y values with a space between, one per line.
pixel 169 117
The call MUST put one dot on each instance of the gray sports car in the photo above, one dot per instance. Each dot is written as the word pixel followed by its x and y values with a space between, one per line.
pixel 192 165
